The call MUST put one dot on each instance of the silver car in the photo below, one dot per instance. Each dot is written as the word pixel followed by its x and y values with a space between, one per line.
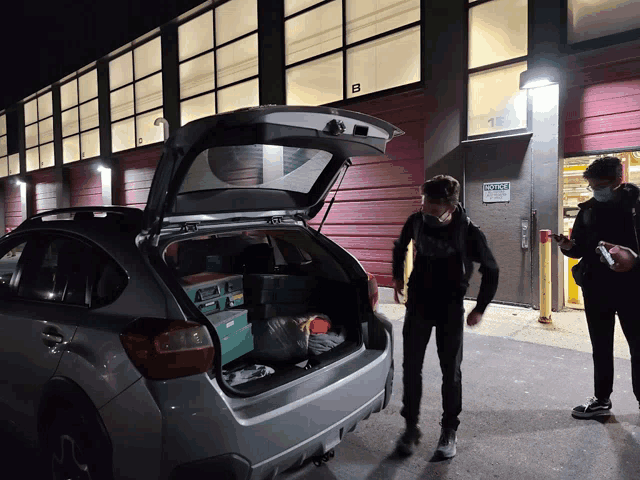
pixel 176 343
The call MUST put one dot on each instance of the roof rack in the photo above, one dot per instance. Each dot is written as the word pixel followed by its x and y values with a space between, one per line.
pixel 130 213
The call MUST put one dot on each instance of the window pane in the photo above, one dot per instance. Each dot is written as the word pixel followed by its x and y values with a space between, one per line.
pixel 69 94
pixel 33 159
pixel 314 32
pixel 497 32
pixel 122 103
pixel 30 112
pixel 71 149
pixel 4 167
pixel 146 130
pixel 88 85
pixel 235 18
pixel 385 63
pixel 45 106
pixel 239 96
pixel 120 71
pixel 123 135
pixel 31 136
pixel 149 93
pixel 195 36
pixel 197 76
pixel 315 83
pixel 90 142
pixel 46 156
pixel 496 102
pixel 147 58
pixel 3 146
pixel 198 107
pixel 14 164
pixel 293 6
pixel 3 125
pixel 46 130
pixel 366 18
pixel 70 122
pixel 89 115
pixel 588 19
pixel 238 61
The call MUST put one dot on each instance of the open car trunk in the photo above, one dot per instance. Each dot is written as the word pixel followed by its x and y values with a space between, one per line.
pixel 280 303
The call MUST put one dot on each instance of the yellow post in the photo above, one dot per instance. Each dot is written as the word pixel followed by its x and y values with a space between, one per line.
pixel 408 267
pixel 545 276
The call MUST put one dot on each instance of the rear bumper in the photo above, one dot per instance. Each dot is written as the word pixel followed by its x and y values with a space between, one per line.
pixel 260 437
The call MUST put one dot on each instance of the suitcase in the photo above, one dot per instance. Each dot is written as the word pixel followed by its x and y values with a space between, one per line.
pixel 213 292
pixel 235 333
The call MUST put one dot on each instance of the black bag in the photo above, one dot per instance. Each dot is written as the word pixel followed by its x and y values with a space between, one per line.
pixel 578 272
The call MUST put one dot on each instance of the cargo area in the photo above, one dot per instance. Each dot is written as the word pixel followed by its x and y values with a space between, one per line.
pixel 280 303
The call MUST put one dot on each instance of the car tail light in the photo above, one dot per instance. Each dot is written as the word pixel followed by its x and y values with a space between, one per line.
pixel 373 292
pixel 162 349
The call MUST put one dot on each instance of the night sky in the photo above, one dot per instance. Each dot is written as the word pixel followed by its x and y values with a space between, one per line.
pixel 42 42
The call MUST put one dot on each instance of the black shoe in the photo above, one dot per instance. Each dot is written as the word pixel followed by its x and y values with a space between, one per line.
pixel 408 440
pixel 592 408
pixel 447 443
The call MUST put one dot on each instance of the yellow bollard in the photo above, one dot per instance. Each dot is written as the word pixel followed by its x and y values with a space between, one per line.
pixel 545 276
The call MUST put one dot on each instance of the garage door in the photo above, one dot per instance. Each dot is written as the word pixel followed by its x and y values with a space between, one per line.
pixel 379 193
pixel 602 111
pixel 45 191
pixel 86 185
pixel 12 205
pixel 136 173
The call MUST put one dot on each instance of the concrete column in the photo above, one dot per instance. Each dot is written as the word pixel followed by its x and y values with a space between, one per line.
pixel 547 182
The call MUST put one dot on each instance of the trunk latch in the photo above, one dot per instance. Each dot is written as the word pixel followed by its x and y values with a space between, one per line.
pixel 189 227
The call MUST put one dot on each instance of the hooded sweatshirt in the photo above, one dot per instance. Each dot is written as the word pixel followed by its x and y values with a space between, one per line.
pixel 611 222
pixel 443 264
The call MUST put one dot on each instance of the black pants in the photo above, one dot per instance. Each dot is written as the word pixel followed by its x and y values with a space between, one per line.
pixel 448 320
pixel 600 306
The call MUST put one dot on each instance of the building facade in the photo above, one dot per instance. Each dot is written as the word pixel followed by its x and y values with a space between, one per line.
pixel 512 97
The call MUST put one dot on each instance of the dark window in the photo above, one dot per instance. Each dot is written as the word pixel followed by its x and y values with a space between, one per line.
pixel 58 271
pixel 110 281
pixel 8 264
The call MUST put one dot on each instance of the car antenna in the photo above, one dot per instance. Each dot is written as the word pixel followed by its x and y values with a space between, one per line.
pixel 348 164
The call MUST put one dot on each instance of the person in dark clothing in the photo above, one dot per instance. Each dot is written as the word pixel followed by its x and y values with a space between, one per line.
pixel 610 219
pixel 447 244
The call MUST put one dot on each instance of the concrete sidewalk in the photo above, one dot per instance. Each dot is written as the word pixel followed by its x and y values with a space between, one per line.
pixel 567 330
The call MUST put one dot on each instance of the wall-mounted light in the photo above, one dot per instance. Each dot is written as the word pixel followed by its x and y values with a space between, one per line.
pixel 538 77
pixel 20 182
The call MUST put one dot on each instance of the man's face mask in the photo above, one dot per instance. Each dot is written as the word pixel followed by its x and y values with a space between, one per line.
pixel 604 194
pixel 436 221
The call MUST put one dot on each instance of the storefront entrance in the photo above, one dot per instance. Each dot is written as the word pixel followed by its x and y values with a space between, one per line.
pixel 575 191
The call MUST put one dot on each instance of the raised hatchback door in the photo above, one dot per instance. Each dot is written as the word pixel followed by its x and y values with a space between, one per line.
pixel 266 161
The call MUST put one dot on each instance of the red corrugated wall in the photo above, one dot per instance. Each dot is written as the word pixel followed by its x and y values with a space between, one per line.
pixel 379 193
pixel 86 186
pixel 603 103
pixel 12 205
pixel 45 190
pixel 137 171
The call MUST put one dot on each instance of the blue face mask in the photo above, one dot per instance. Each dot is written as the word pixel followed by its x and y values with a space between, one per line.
pixel 603 195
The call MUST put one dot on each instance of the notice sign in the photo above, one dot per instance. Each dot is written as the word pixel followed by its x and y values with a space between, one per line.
pixel 496 192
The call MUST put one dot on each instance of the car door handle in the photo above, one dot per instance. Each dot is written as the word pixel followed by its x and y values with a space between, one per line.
pixel 50 337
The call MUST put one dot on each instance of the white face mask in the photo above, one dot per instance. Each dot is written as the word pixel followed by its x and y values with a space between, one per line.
pixel 603 195
pixel 435 222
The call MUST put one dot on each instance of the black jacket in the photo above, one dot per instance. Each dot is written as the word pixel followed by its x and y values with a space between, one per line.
pixel 471 245
pixel 614 222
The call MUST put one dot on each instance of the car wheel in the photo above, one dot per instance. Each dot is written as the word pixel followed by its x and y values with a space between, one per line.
pixel 74 451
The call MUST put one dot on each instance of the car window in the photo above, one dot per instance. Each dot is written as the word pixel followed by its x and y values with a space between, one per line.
pixel 110 281
pixel 57 271
pixel 8 264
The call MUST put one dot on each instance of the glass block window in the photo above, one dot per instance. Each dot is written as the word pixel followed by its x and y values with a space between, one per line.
pixel 498 49
pixel 80 117
pixel 382 48
pixel 135 84
pixel 218 53
pixel 38 119
pixel 4 157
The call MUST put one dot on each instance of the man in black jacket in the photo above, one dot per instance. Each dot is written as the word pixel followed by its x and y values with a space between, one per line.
pixel 609 218
pixel 446 245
